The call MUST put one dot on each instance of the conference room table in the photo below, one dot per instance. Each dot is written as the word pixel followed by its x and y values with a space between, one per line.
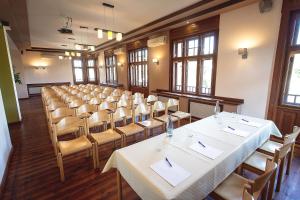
pixel 194 161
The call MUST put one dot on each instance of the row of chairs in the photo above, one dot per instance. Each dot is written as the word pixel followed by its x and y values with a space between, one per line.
pixel 268 162
pixel 97 125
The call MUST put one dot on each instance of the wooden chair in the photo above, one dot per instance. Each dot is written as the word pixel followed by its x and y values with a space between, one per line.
pixel 109 107
pixel 257 161
pixel 76 103
pixel 125 97
pixel 104 137
pixel 87 98
pixel 95 93
pixel 102 96
pixel 127 130
pixel 149 124
pixel 179 114
pixel 159 107
pixel 95 101
pixel 65 148
pixel 113 99
pixel 270 146
pixel 85 110
pixel 233 187
pixel 124 103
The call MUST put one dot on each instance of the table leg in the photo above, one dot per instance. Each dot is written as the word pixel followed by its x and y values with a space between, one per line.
pixel 119 185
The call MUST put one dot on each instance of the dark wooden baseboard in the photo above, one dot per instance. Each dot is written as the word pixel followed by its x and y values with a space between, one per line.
pixel 2 184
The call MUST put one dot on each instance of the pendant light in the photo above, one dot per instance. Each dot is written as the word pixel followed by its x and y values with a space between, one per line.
pixel 67 53
pixel 119 36
pixel 109 35
pixel 100 33
pixel 78 54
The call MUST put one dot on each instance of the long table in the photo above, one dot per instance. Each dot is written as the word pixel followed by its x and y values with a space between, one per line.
pixel 133 162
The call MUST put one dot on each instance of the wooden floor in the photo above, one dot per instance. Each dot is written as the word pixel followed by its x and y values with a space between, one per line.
pixel 33 173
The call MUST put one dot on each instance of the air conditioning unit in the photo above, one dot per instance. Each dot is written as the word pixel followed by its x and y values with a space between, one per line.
pixel 158 41
pixel 119 51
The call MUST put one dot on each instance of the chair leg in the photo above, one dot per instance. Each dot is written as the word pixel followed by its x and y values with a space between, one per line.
pixel 264 192
pixel 61 167
pixel 272 185
pixel 97 156
pixel 290 160
pixel 280 175
pixel 94 155
pixel 119 184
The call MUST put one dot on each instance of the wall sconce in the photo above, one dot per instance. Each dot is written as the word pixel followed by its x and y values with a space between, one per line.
pixel 243 52
pixel 40 67
pixel 155 60
pixel 120 64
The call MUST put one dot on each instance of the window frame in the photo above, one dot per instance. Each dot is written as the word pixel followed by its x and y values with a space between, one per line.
pixel 200 57
pixel 291 50
pixel 113 66
pixel 82 68
pixel 134 62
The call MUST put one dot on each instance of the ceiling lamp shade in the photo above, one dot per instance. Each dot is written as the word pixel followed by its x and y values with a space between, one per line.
pixel 78 54
pixel 100 33
pixel 70 58
pixel 67 53
pixel 78 47
pixel 72 53
pixel 92 48
pixel 60 57
pixel 109 35
pixel 119 36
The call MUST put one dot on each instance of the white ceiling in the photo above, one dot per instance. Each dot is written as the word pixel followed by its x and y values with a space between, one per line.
pixel 46 16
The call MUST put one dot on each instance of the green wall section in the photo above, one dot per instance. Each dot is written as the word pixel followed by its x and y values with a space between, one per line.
pixel 6 82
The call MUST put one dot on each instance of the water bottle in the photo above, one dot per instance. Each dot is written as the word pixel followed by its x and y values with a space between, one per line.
pixel 217 108
pixel 169 127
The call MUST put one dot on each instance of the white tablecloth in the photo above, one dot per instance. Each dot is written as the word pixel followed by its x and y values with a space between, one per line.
pixel 133 162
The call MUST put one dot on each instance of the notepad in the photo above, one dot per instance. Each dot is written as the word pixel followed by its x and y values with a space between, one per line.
pixel 146 123
pixel 207 151
pixel 250 123
pixel 174 174
pixel 236 132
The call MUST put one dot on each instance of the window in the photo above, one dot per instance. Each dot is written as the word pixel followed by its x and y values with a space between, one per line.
pixel 138 67
pixel 78 70
pixel 194 61
pixel 91 70
pixel 111 69
pixel 291 92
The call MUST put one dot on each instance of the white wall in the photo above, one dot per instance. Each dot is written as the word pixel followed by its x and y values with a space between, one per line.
pixel 18 68
pixel 5 143
pixel 55 70
pixel 248 79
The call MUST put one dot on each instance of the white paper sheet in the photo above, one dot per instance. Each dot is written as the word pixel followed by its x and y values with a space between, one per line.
pixel 250 123
pixel 172 174
pixel 207 151
pixel 236 132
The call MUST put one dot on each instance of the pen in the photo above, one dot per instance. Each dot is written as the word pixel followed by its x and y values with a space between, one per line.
pixel 231 128
pixel 201 144
pixel 168 162
pixel 245 120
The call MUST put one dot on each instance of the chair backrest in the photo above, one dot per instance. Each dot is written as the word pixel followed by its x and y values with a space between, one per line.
pixel 53 106
pixel 98 118
pixel 68 125
pixel 152 98
pixel 291 138
pixel 75 92
pixel 282 152
pixel 121 114
pixel 112 99
pixel 106 105
pixel 60 113
pixel 123 103
pixel 102 95
pixel 173 102
pixel 95 101
pixel 142 109
pixel 257 185
pixel 95 93
pixel 159 106
pixel 87 97
pixel 76 103
pixel 138 100
pixel 137 95
pixel 86 109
